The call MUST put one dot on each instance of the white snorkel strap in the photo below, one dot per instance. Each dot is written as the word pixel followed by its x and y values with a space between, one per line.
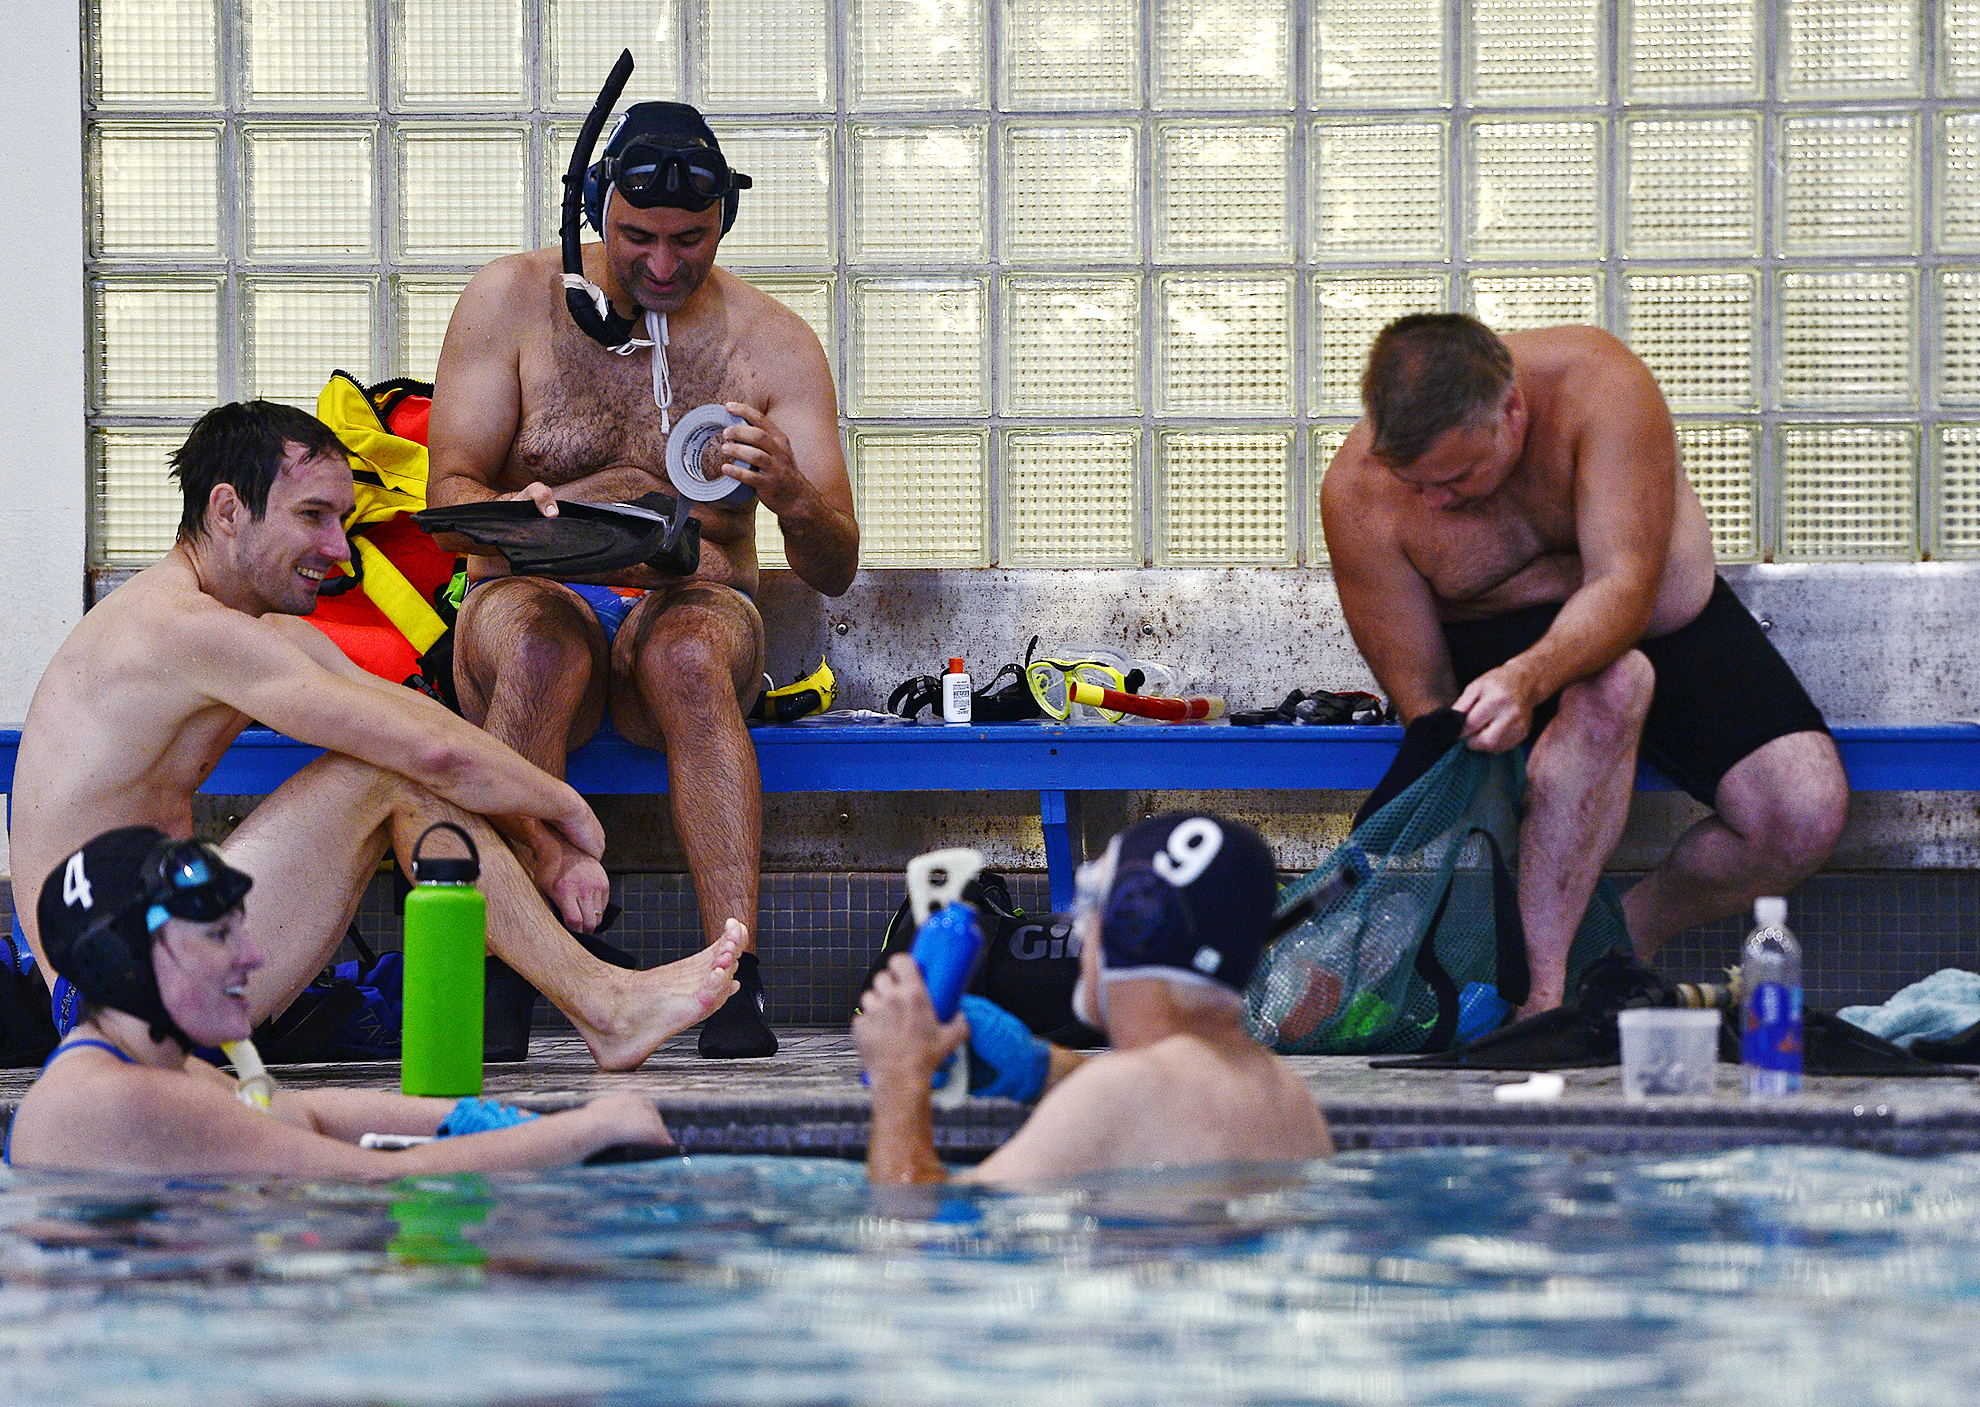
pixel 663 383
pixel 580 284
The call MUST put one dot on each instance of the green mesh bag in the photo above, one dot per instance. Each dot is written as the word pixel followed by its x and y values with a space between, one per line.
pixel 1417 904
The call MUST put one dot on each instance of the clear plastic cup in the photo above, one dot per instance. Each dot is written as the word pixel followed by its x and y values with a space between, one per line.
pixel 1669 1051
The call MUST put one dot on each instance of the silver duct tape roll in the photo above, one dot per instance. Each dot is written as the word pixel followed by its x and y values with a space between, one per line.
pixel 687 447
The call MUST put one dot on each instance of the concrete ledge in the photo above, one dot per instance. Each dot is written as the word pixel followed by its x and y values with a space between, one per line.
pixel 807 1101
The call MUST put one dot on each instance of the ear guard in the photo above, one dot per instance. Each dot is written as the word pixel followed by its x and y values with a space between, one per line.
pixel 110 967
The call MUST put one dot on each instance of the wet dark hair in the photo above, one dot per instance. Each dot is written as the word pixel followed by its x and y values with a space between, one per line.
pixel 1428 373
pixel 242 444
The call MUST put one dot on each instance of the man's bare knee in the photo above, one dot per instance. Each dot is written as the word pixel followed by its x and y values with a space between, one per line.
pixel 697 662
pixel 1790 814
pixel 528 627
pixel 1603 713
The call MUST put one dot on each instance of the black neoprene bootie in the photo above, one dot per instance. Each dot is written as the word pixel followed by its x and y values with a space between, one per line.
pixel 736 1030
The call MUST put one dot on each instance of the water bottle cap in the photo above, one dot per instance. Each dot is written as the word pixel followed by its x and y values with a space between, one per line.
pixel 449 869
pixel 1770 911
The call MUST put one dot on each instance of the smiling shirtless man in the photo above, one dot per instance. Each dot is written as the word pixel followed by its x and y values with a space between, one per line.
pixel 528 405
pixel 1512 536
pixel 161 676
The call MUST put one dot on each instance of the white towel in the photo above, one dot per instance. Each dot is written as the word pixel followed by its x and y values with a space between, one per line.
pixel 1934 1008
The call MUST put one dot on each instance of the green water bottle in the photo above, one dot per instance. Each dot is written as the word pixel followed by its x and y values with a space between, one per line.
pixel 446 941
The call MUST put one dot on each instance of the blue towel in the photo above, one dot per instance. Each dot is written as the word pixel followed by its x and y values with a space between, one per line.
pixel 1934 1008
pixel 476 1115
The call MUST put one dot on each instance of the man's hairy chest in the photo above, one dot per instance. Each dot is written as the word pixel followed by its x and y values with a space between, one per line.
pixel 585 410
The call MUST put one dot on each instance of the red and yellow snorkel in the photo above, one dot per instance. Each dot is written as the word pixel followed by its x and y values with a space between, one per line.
pixel 1167 709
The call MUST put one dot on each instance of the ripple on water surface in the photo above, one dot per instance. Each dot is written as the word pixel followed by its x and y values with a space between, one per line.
pixel 1423 1278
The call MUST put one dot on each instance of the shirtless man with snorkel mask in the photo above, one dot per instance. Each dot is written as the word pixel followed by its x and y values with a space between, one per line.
pixel 564 375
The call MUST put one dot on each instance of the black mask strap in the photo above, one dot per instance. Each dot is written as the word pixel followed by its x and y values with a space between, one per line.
pixel 589 307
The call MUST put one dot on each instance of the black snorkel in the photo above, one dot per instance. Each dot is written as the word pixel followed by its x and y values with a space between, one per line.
pixel 590 308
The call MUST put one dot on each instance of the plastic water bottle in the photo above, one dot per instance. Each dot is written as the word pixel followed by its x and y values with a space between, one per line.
pixel 446 941
pixel 1770 976
pixel 955 694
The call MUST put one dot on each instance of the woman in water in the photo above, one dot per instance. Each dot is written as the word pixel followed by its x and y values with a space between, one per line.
pixel 148 930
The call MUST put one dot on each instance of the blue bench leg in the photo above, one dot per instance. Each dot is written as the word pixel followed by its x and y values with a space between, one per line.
pixel 1060 861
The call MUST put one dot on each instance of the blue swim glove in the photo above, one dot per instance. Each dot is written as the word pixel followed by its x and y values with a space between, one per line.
pixel 1005 1058
pixel 477 1115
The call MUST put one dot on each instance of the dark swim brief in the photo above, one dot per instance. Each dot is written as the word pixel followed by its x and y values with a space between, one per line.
pixel 1723 690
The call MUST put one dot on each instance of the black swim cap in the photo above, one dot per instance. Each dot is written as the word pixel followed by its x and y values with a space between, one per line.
pixel 663 154
pixel 1191 900
pixel 99 908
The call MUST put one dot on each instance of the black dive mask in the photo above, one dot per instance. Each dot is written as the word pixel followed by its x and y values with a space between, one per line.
pixel 189 879
pixel 654 171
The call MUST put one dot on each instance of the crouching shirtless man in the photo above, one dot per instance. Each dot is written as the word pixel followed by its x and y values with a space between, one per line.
pixel 153 685
pixel 1512 537
pixel 1171 920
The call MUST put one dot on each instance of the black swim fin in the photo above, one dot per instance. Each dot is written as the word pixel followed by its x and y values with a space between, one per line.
pixel 1566 1038
pixel 1580 1038
pixel 584 539
pixel 1960 1048
pixel 1833 1046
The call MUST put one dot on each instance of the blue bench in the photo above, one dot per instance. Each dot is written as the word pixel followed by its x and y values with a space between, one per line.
pixel 1060 762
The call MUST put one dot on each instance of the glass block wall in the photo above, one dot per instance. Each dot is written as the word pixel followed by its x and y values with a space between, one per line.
pixel 1096 277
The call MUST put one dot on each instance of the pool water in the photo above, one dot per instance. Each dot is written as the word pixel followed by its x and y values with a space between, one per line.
pixel 1425 1278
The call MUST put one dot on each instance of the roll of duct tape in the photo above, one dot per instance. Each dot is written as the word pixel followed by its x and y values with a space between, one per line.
pixel 687 448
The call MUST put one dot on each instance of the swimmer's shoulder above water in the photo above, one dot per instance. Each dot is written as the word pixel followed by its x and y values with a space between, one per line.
pixel 147 928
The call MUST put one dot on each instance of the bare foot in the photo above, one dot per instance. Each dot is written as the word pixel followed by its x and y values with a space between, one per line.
pixel 664 1001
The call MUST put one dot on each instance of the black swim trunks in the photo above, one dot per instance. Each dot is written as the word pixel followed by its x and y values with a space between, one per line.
pixel 1723 690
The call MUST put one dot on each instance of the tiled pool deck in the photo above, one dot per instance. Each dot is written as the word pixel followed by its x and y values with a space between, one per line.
pixel 808 1100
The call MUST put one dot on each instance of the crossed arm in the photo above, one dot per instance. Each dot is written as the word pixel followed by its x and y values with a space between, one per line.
pixel 288 676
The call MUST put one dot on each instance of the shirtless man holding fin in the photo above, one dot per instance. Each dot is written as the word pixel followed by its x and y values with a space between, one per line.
pixel 528 404
pixel 1512 536
pixel 156 682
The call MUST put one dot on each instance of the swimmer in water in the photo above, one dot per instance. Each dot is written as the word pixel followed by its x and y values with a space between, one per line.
pixel 1170 920
pixel 149 930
